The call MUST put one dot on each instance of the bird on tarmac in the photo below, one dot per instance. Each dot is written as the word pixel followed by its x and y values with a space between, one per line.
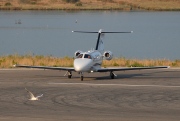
pixel 32 97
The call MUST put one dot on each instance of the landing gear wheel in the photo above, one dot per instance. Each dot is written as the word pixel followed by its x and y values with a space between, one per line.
pixel 111 75
pixel 69 76
pixel 81 78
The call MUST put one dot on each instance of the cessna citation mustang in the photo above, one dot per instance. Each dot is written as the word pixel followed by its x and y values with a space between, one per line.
pixel 91 61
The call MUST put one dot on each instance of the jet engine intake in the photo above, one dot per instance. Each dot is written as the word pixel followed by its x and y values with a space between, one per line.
pixel 108 55
pixel 76 54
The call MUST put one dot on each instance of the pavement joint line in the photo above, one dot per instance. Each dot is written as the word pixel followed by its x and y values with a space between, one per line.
pixel 123 85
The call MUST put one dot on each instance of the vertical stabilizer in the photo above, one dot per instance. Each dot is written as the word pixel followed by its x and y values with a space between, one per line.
pixel 100 44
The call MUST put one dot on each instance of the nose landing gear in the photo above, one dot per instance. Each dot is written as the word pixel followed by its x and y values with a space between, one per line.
pixel 81 76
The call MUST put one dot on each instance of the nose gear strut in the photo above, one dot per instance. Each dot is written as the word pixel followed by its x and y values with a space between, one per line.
pixel 81 76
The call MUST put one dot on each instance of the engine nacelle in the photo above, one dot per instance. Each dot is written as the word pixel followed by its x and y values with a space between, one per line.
pixel 77 53
pixel 108 55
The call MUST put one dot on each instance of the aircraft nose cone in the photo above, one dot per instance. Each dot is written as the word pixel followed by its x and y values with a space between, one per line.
pixel 81 65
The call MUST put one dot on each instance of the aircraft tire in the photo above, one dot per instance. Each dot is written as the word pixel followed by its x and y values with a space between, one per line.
pixel 112 75
pixel 69 76
pixel 81 78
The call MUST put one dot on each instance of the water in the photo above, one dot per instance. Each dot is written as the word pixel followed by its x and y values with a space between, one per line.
pixel 156 34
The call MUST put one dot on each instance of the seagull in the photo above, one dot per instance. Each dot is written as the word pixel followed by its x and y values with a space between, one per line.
pixel 32 97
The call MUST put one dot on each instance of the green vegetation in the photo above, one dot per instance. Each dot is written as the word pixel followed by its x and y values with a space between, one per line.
pixel 71 1
pixel 33 2
pixel 136 64
pixel 9 60
pixel 8 4
pixel 78 4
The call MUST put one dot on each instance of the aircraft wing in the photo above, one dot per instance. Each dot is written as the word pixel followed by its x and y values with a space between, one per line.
pixel 129 68
pixel 46 67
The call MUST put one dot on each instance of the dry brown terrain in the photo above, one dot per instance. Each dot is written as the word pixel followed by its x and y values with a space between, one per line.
pixel 90 5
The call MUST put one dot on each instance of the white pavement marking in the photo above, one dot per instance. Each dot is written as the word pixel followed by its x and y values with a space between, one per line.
pixel 124 85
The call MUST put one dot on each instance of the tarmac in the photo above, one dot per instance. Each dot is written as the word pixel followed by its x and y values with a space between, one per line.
pixel 146 95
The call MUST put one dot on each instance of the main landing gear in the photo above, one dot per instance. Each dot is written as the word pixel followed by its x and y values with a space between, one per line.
pixel 69 74
pixel 112 75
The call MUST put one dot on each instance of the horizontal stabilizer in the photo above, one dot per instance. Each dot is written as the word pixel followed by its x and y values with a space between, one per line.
pixel 100 32
pixel 118 32
pixel 84 32
pixel 99 44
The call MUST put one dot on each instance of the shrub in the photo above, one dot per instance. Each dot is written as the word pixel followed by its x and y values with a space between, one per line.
pixel 24 1
pixel 29 1
pixel 78 4
pixel 115 64
pixel 110 1
pixel 8 4
pixel 136 64
pixel 71 1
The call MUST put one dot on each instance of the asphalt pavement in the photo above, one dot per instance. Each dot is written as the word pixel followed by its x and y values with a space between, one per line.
pixel 146 95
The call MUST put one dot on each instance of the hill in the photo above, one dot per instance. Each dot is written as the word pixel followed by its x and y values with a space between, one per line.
pixel 160 5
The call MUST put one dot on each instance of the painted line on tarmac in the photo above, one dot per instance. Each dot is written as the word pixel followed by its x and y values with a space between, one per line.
pixel 123 85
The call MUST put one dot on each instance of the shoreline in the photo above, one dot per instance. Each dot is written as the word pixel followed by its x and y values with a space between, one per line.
pixel 83 9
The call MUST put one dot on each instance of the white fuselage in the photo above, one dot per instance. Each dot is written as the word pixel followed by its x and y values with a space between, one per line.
pixel 88 61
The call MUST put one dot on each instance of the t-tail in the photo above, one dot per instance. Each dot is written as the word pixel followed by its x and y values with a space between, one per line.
pixel 100 44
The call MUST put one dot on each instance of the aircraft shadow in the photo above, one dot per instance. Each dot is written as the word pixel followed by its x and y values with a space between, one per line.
pixel 107 77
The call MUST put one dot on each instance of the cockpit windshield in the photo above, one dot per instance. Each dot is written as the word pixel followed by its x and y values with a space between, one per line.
pixel 80 56
pixel 87 56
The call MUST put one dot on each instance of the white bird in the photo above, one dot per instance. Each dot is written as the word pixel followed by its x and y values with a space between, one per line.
pixel 32 97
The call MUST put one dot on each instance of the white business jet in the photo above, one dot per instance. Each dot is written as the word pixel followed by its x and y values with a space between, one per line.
pixel 91 61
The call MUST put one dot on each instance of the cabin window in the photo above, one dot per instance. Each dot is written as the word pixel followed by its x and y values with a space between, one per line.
pixel 87 56
pixel 80 56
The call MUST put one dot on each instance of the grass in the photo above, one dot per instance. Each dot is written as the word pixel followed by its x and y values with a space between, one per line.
pixel 40 60
pixel 10 60
pixel 159 5
pixel 123 62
